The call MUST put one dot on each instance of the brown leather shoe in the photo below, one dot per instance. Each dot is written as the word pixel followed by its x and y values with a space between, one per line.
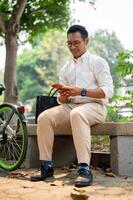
pixel 85 178
pixel 44 174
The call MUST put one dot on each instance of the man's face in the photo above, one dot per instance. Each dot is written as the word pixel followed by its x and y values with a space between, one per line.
pixel 76 44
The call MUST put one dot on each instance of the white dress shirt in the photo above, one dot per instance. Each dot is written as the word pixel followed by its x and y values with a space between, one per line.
pixel 90 72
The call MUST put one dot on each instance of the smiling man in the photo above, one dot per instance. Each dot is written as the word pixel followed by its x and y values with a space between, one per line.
pixel 85 84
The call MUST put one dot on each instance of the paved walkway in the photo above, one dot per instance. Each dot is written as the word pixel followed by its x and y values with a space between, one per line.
pixel 16 186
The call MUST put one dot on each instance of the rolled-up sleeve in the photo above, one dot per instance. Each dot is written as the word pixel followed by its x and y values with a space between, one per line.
pixel 103 77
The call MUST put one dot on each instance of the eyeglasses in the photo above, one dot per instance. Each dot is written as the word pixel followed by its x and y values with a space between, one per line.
pixel 75 43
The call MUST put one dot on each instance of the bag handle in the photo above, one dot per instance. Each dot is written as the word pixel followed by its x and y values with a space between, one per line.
pixel 53 92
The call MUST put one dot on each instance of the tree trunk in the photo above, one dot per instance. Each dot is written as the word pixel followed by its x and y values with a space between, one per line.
pixel 11 92
pixel 11 28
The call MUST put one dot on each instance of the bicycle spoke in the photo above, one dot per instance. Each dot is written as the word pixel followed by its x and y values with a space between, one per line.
pixel 11 157
pixel 17 144
pixel 3 150
pixel 10 153
pixel 15 150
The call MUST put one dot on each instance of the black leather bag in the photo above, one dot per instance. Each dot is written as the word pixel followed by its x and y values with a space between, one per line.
pixel 45 102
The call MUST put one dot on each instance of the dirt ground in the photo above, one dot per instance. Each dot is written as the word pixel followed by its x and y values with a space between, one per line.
pixel 106 186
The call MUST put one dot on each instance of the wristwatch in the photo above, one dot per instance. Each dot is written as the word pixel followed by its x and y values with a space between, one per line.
pixel 83 92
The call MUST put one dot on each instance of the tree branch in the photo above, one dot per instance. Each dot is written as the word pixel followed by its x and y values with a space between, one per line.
pixel 18 11
pixel 2 24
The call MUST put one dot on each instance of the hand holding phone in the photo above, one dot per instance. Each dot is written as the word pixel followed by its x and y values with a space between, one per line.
pixel 58 86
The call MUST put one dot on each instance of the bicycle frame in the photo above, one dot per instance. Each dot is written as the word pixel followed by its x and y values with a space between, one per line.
pixel 20 109
pixel 13 135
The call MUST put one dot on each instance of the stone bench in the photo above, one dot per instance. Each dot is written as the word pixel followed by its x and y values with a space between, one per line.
pixel 121 146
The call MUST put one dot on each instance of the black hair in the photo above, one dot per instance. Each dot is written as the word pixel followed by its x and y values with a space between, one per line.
pixel 78 28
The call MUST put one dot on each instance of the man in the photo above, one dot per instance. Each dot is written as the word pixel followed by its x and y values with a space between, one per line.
pixel 85 84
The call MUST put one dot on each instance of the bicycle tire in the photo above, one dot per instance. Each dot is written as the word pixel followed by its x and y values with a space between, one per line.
pixel 14 139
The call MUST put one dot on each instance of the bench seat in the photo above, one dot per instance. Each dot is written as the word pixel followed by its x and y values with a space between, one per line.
pixel 107 128
pixel 121 146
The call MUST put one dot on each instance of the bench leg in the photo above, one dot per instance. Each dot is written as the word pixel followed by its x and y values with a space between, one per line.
pixel 32 155
pixel 121 150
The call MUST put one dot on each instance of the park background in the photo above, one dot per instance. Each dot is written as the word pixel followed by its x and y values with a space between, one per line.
pixel 42 49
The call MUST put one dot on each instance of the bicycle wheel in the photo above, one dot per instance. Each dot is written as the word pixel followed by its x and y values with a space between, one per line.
pixel 13 137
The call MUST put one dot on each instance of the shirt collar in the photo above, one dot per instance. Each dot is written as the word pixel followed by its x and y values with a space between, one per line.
pixel 82 58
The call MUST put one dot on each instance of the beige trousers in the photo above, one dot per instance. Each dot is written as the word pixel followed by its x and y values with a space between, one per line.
pixel 76 118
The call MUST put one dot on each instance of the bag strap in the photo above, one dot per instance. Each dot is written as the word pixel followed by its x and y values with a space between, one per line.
pixel 50 92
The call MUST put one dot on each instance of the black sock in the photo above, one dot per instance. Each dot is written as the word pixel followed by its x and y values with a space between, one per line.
pixel 83 165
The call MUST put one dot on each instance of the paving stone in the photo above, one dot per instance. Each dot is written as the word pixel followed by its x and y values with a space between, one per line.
pixel 17 186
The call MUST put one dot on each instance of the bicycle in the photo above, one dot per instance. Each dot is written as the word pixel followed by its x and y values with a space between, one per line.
pixel 13 135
